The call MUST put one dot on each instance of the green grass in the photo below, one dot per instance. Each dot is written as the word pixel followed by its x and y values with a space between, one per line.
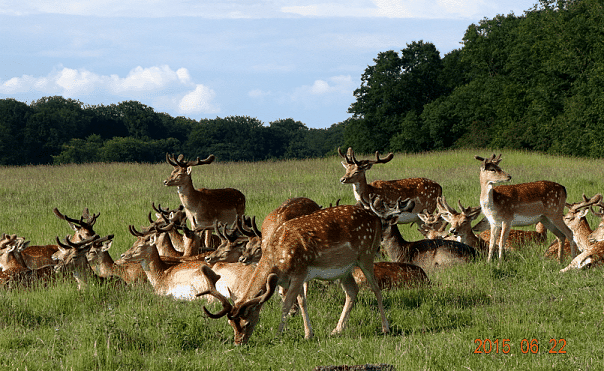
pixel 106 328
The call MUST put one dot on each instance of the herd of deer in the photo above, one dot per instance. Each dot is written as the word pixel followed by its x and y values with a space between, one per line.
pixel 241 266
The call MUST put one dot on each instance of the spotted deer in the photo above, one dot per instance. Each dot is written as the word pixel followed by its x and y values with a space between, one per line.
pixel 203 206
pixel 520 204
pixel 422 191
pixel 429 254
pixel 327 245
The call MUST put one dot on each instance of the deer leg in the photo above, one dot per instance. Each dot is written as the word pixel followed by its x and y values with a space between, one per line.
pixel 308 332
pixel 495 231
pixel 370 277
pixel 351 290
pixel 505 232
pixel 293 291
pixel 562 232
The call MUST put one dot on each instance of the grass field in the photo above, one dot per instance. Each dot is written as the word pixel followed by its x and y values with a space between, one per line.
pixel 436 328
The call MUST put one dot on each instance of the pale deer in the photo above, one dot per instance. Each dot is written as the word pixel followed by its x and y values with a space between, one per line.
pixel 520 204
pixel 231 246
pixel 203 206
pixel 37 256
pixel 422 191
pixel 15 272
pixel 290 209
pixel 327 245
pixel 103 265
pixel 72 259
pixel 576 220
pixel 185 280
pixel 394 275
pixel 429 254
pixel 433 226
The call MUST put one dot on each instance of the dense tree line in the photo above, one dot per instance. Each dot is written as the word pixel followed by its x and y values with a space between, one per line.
pixel 58 130
pixel 531 82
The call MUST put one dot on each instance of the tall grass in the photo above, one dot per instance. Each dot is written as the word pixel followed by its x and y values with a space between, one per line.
pixel 107 328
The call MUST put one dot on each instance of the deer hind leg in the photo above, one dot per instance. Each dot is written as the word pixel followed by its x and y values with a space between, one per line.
pixel 562 232
pixel 295 291
pixel 505 232
pixel 351 290
pixel 369 276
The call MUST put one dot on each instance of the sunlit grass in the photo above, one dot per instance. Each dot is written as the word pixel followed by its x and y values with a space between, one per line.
pixel 58 327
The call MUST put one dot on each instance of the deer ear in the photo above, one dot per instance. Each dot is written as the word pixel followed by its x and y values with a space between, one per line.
pixel 189 170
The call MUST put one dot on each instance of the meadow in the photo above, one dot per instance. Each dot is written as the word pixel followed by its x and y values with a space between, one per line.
pixel 521 315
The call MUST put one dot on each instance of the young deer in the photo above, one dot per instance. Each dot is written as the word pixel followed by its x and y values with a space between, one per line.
pixel 422 191
pixel 203 206
pixel 327 245
pixel 520 204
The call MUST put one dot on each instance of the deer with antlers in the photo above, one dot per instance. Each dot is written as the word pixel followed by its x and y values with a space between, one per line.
pixel 203 206
pixel 423 192
pixel 327 245
pixel 520 204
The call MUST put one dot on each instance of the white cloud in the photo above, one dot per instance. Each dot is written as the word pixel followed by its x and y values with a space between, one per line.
pixel 165 87
pixel 324 91
pixel 266 9
pixel 198 101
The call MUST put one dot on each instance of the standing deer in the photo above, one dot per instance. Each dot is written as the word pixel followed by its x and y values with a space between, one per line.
pixel 327 245
pixel 420 190
pixel 520 204
pixel 203 206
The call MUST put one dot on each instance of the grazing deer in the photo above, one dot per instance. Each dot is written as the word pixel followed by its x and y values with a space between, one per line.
pixel 393 275
pixel 203 206
pixel 290 209
pixel 422 191
pixel 429 254
pixel 520 204
pixel 327 245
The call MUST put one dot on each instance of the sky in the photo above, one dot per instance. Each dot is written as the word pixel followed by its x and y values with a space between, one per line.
pixel 266 59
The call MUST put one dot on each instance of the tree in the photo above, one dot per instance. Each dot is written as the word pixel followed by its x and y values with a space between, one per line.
pixel 13 120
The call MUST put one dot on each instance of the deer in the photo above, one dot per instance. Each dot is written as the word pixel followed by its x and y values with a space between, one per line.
pixel 37 256
pixel 433 226
pixel 289 209
pixel 421 190
pixel 326 245
pixel 203 206
pixel 429 254
pixel 72 258
pixel 185 280
pixel 520 204
pixel 576 220
pixel 103 265
pixel 15 272
pixel 598 234
pixel 231 246
pixel 463 231
pixel 393 275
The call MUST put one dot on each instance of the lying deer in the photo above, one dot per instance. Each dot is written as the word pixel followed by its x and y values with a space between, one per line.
pixel 393 275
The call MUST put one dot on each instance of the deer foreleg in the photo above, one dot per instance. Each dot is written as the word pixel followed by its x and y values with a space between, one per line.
pixel 495 232
pixel 505 232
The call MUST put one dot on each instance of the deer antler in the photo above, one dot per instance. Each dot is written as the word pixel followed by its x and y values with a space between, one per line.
pixel 180 162
pixel 248 227
pixel 212 278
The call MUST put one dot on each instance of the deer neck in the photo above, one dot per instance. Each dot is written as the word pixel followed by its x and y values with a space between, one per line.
pixel 395 245
pixel 153 267
pixel 487 200
pixel 186 189
pixel 361 189
pixel 581 234
pixel 258 281
pixel 103 267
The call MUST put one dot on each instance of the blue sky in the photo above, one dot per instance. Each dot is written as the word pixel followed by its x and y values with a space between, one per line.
pixel 268 59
